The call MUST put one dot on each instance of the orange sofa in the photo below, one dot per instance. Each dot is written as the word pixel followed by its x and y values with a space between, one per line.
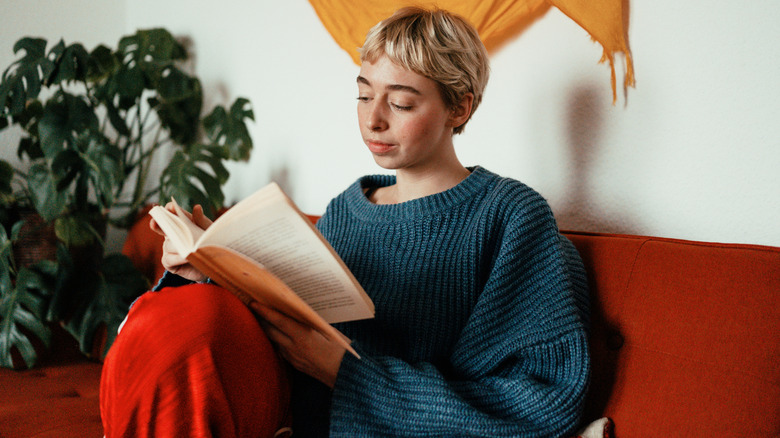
pixel 685 341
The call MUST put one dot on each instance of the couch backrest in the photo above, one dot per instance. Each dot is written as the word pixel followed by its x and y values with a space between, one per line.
pixel 685 336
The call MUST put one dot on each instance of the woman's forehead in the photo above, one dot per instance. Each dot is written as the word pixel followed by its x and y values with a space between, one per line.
pixel 386 74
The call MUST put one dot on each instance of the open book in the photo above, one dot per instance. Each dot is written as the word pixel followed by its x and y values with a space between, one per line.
pixel 264 249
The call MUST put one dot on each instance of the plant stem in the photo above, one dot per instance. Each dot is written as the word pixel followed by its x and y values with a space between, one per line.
pixel 144 164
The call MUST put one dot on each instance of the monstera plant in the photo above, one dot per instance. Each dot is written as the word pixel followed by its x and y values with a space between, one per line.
pixel 103 133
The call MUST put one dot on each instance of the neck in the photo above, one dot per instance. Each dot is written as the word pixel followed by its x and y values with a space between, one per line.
pixel 413 184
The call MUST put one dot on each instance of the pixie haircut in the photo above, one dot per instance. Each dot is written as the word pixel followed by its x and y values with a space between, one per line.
pixel 436 44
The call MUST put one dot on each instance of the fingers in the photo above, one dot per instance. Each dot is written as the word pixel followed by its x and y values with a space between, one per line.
pixel 273 324
pixel 303 347
pixel 271 317
pixel 170 206
pixel 171 258
pixel 283 329
pixel 176 264
pixel 199 218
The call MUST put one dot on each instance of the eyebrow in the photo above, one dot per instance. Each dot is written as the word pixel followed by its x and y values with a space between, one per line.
pixel 393 87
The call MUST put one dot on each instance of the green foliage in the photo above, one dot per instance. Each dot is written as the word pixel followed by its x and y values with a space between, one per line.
pixel 106 294
pixel 109 113
pixel 93 123
pixel 23 305
pixel 21 310
pixel 88 300
pixel 185 177
pixel 229 129
pixel 22 80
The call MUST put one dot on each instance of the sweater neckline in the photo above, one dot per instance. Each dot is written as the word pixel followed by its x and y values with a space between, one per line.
pixel 364 209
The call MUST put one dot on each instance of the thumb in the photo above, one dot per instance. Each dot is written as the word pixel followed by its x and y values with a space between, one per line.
pixel 199 217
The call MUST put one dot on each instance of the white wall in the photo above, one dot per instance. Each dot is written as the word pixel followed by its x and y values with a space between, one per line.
pixel 691 153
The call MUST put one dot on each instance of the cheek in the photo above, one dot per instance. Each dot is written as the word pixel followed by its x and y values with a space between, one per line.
pixel 421 127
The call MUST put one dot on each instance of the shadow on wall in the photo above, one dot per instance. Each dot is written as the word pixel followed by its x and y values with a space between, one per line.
pixel 580 207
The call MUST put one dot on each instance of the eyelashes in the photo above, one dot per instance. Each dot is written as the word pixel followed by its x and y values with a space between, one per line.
pixel 395 106
pixel 401 107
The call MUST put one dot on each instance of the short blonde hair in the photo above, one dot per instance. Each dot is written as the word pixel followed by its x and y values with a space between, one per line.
pixel 436 44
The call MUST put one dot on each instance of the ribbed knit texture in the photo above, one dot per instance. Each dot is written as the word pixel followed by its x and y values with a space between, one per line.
pixel 481 316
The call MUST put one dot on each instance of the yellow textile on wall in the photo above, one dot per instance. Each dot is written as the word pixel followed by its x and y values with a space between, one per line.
pixel 497 21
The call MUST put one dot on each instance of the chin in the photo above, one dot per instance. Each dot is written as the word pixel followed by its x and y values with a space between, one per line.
pixel 386 162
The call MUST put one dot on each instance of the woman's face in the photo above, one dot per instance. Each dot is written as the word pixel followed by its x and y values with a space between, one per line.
pixel 403 118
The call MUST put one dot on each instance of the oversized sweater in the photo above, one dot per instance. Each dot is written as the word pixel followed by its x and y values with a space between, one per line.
pixel 481 317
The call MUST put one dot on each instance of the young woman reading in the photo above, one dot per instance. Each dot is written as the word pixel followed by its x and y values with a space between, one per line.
pixel 481 304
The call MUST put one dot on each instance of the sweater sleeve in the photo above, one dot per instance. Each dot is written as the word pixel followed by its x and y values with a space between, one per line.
pixel 520 367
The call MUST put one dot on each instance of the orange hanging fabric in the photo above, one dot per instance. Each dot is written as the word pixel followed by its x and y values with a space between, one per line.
pixel 607 22
pixel 497 21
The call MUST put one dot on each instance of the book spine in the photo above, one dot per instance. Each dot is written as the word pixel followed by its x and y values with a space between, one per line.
pixel 205 266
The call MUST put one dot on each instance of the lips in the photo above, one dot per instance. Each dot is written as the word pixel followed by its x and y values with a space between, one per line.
pixel 378 147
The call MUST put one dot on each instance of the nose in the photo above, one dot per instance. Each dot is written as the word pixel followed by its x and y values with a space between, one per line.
pixel 375 117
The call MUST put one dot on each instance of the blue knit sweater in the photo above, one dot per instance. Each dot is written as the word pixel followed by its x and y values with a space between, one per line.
pixel 481 316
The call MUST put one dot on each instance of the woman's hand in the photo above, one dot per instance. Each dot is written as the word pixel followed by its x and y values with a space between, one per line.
pixel 171 260
pixel 305 348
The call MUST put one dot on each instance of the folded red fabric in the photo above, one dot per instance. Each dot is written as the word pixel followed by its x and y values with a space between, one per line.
pixel 179 367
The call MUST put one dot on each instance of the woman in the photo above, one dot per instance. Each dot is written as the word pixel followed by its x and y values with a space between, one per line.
pixel 481 305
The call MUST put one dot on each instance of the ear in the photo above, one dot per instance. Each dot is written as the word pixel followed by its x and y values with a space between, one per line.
pixel 462 110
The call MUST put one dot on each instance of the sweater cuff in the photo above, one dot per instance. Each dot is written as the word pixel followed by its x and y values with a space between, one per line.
pixel 170 279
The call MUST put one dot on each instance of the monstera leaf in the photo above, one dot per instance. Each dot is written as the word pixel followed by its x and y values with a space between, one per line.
pixel 104 297
pixel 46 198
pixel 23 79
pixel 23 307
pixel 178 103
pixel 148 62
pixel 65 118
pixel 72 63
pixel 229 131
pixel 142 56
pixel 78 230
pixel 102 164
pixel 196 177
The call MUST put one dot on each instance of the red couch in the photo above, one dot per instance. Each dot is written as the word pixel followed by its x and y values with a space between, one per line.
pixel 685 343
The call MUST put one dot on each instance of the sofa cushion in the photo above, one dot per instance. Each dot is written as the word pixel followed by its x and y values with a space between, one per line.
pixel 58 398
pixel 685 339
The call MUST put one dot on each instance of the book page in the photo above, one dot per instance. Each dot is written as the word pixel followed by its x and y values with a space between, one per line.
pixel 252 282
pixel 194 230
pixel 273 233
pixel 179 228
pixel 175 228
